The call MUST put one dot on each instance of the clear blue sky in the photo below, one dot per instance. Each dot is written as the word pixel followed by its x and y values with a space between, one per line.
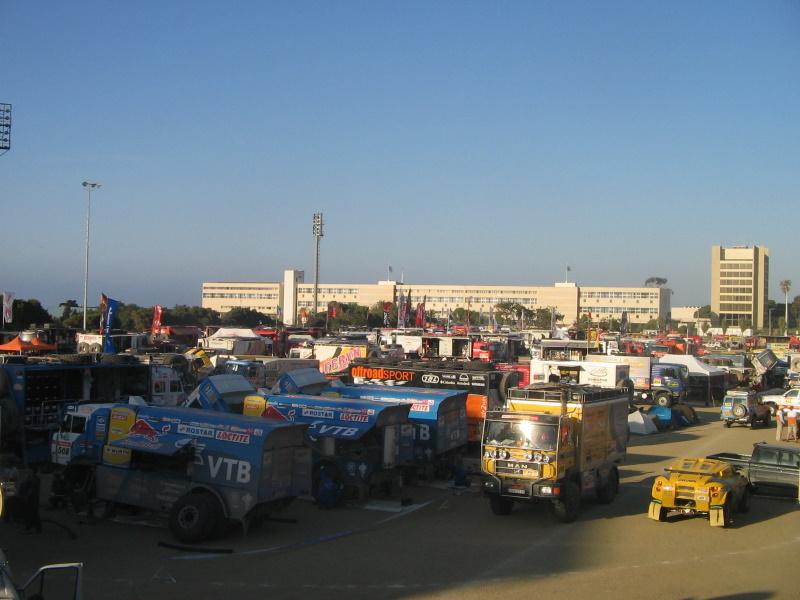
pixel 462 142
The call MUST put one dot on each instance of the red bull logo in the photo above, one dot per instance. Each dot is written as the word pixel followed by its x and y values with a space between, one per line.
pixel 143 429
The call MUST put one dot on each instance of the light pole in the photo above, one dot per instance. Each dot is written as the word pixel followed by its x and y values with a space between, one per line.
pixel 770 320
pixel 317 230
pixel 89 185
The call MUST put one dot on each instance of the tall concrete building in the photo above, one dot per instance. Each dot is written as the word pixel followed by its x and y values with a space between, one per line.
pixel 740 284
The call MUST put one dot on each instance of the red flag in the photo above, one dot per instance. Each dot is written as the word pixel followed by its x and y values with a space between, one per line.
pixel 332 310
pixel 103 311
pixel 156 326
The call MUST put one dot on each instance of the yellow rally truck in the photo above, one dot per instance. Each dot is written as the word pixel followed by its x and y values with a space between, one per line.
pixel 557 443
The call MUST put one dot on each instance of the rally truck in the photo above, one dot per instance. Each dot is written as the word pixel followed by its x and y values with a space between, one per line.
pixel 203 468
pixel 701 486
pixel 555 443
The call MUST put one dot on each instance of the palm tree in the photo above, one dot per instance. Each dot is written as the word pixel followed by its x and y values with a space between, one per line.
pixel 786 285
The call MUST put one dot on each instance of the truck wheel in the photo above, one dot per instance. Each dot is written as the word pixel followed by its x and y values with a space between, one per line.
pixel 508 380
pixel 727 423
pixel 608 491
pixel 194 517
pixel 664 400
pixel 500 505
pixel 567 507
pixel 662 514
pixel 744 503
pixel 739 411
pixel 771 407
pixel 766 421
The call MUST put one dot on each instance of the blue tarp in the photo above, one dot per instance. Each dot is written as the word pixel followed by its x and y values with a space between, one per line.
pixel 425 403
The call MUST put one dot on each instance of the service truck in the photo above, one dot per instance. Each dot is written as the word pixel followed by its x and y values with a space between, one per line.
pixel 202 467
pixel 555 443
pixel 655 381
pixel 33 395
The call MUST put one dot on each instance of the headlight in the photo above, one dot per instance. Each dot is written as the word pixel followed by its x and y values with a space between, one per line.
pixel 547 490
pixel 487 454
pixel 529 455
pixel 537 457
pixel 545 458
pixel 505 454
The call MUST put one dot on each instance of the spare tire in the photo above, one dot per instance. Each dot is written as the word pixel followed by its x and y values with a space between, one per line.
pixel 508 380
pixel 83 348
pixel 739 410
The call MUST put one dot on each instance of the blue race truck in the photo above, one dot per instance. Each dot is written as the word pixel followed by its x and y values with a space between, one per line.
pixel 355 442
pixel 203 468
pixel 436 434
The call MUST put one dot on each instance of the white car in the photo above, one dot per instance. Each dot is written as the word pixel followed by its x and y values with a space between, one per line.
pixel 789 398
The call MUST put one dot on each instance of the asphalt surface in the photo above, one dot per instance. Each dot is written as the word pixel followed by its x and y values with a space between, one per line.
pixel 447 544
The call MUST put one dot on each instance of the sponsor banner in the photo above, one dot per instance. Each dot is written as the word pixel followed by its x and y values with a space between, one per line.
pixel 230 436
pixel 381 373
pixel 355 417
pixel 422 405
pixel 317 413
pixel 195 430
pixel 340 362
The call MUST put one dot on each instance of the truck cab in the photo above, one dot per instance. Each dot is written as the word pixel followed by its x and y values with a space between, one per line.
pixel 669 384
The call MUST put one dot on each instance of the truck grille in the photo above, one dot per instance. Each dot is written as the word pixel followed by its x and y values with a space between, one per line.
pixel 516 468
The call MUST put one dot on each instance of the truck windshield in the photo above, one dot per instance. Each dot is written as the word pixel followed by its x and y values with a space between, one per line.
pixel 520 434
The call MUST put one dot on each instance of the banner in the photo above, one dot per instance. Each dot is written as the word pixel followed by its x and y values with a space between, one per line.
pixel 112 307
pixel 157 312
pixel 401 312
pixel 421 312
pixel 387 308
pixel 333 309
pixel 8 306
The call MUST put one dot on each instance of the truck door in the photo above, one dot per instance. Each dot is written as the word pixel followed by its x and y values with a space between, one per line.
pixel 789 464
pixel 65 444
pixel 764 466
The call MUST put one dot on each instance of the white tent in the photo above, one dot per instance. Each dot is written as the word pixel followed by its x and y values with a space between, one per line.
pixel 640 423
pixel 236 332
pixel 696 367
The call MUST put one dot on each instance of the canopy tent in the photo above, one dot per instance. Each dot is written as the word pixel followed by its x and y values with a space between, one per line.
pixel 17 345
pixel 40 345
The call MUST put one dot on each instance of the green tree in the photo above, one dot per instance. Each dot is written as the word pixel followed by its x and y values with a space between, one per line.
pixel 25 313
pixel 182 314
pixel 66 308
pixel 245 317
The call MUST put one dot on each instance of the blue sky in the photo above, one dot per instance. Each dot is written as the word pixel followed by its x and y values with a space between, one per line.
pixel 460 142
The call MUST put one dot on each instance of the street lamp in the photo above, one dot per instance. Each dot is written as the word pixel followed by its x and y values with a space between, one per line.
pixel 770 320
pixel 89 185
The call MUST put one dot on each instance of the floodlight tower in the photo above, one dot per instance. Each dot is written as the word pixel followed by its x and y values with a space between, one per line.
pixel 317 229
pixel 5 127
pixel 89 185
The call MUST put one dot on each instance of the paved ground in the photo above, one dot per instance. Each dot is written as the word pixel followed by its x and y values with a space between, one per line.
pixel 448 545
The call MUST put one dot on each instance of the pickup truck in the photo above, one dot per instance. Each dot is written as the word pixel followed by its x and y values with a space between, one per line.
pixel 770 468
pixel 777 397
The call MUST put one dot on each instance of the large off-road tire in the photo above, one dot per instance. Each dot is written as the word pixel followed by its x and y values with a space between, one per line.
pixel 501 505
pixel 507 381
pixel 662 514
pixel 83 348
pixel 727 423
pixel 194 517
pixel 744 501
pixel 608 491
pixel 766 421
pixel 739 411
pixel 567 507
pixel 664 399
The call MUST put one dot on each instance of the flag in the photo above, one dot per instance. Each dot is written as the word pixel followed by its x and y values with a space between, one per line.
pixel 112 306
pixel 8 306
pixel 569 268
pixel 103 311
pixel 333 309
pixel 156 325
pixel 387 308
pixel 623 325
pixel 390 269
pixel 421 314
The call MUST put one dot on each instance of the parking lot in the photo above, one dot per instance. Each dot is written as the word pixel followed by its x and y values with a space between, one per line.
pixel 446 543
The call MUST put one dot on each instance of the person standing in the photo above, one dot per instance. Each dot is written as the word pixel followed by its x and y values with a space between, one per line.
pixel 791 422
pixel 779 423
